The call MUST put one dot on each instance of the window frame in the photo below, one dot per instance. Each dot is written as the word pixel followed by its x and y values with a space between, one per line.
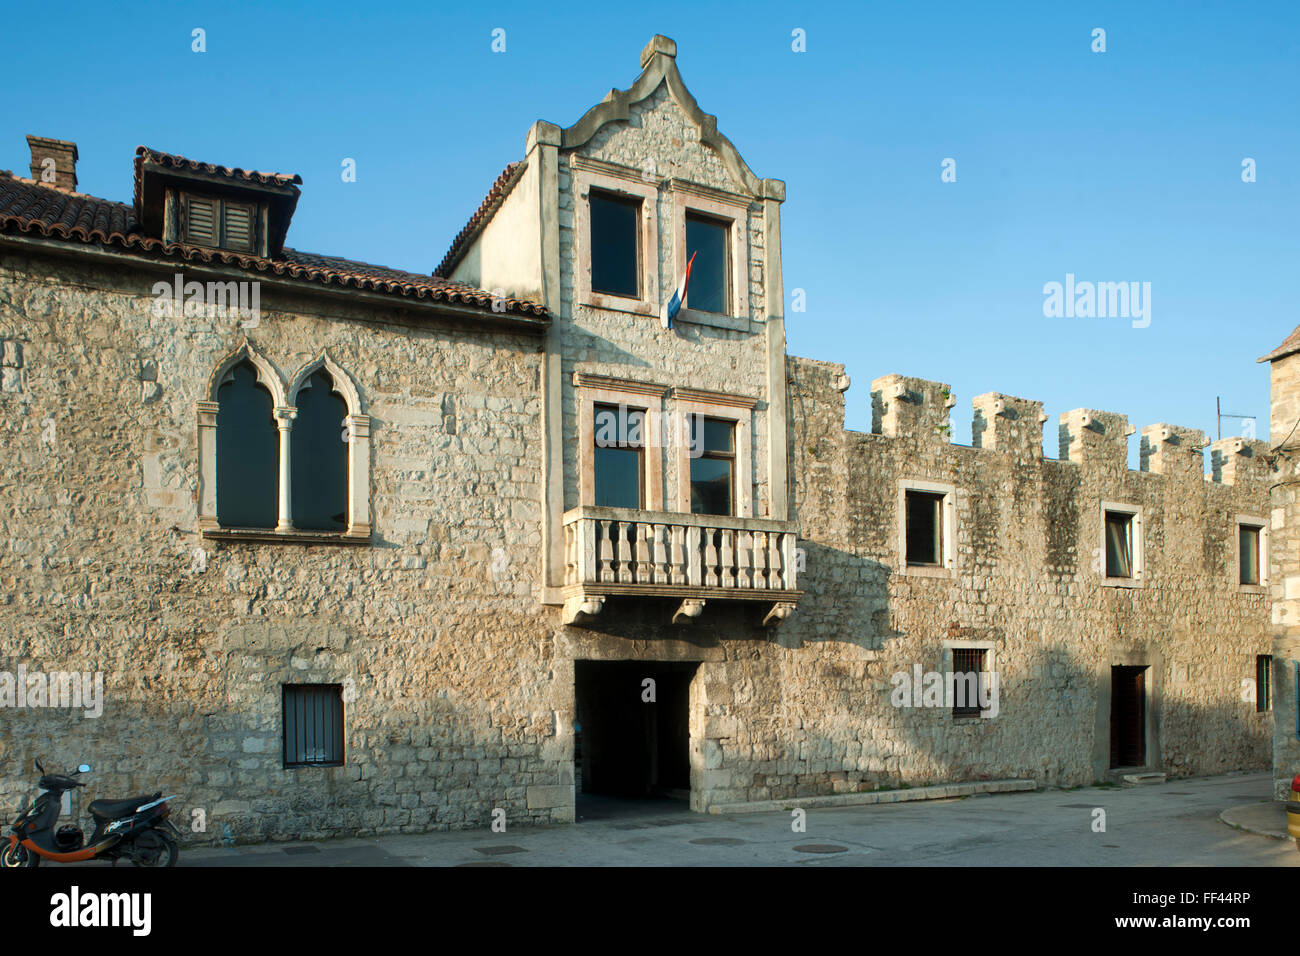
pixel 1261 525
pixel 340 728
pixel 947 567
pixel 730 456
pixel 728 266
pixel 733 408
pixel 1137 545
pixel 626 184
pixel 1263 684
pixel 733 212
pixel 593 390
pixel 990 666
pixel 358 459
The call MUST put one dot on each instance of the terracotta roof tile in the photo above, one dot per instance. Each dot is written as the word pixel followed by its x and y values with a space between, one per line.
pixel 33 208
pixel 486 210
pixel 1289 345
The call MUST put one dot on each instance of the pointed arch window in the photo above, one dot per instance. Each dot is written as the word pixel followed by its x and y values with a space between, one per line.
pixel 270 469
pixel 248 451
pixel 319 454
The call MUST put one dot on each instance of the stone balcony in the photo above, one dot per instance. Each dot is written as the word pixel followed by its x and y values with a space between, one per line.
pixel 620 553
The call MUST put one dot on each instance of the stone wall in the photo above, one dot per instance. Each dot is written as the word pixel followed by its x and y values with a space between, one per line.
pixel 1284 552
pixel 102 570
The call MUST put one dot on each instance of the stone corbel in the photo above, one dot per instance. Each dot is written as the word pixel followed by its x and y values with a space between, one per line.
pixel 780 611
pixel 690 610
pixel 583 608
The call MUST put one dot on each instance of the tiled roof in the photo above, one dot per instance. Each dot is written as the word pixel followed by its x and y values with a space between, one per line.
pixel 486 210
pixel 228 172
pixel 1291 344
pixel 32 208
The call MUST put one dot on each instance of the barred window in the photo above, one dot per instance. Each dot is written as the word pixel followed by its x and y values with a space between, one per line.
pixel 1263 683
pixel 969 680
pixel 313 725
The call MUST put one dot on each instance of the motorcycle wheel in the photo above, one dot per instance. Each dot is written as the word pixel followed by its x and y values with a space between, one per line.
pixel 16 857
pixel 154 848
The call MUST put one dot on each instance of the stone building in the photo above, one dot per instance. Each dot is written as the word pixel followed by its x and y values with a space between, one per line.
pixel 357 550
pixel 1284 559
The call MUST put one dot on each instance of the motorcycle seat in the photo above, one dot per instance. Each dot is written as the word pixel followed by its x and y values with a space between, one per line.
pixel 112 809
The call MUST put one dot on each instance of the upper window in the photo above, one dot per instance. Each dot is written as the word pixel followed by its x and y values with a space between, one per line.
pixel 713 466
pixel 1251 548
pixel 220 223
pixel 1119 545
pixel 707 240
pixel 619 456
pixel 247 452
pixel 924 527
pixel 319 450
pixel 615 256
pixel 283 461
pixel 1121 558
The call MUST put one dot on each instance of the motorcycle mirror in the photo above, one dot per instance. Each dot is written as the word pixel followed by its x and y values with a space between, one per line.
pixel 38 765
pixel 84 768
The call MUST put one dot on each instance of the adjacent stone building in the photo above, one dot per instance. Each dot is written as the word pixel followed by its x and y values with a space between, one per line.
pixel 358 551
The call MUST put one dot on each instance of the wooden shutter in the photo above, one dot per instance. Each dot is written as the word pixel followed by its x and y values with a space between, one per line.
pixel 200 221
pixel 237 227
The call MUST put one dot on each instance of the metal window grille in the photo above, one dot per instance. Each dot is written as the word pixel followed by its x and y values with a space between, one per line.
pixel 313 725
pixel 967 660
pixel 1263 683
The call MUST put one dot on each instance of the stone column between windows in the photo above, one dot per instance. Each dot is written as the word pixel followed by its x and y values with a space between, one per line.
pixel 207 412
pixel 284 416
pixel 358 475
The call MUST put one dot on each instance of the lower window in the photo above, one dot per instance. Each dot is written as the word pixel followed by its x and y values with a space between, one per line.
pixel 313 725
pixel 968 672
pixel 1263 683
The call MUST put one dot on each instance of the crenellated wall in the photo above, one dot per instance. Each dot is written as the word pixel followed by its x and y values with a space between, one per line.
pixel 1026 582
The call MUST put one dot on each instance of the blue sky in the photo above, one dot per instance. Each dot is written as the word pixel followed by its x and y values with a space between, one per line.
pixel 1115 166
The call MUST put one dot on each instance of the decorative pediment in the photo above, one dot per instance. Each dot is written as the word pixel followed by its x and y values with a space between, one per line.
pixel 659 68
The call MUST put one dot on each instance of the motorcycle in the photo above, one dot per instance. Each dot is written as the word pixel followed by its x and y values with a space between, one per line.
pixel 137 829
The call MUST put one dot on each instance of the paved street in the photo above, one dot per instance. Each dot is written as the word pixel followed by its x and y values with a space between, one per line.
pixel 1174 824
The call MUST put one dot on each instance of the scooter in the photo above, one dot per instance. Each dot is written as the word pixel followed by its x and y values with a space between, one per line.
pixel 137 829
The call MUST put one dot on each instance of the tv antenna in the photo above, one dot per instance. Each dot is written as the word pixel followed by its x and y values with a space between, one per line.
pixel 1222 415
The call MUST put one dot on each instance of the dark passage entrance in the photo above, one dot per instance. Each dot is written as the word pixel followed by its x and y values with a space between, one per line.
pixel 624 744
pixel 1128 717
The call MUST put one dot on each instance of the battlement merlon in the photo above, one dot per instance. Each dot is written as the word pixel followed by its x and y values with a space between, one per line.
pixel 1087 434
pixel 1172 450
pixel 1008 424
pixel 1239 461
pixel 906 407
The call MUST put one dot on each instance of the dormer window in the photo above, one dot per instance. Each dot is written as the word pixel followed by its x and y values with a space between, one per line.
pixel 218 223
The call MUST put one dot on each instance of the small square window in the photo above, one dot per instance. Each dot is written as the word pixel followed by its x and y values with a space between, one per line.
pixel 615 253
pixel 707 240
pixel 969 680
pixel 313 725
pixel 924 528
pixel 713 470
pixel 1119 544
pixel 618 458
pixel 1248 551
pixel 1263 683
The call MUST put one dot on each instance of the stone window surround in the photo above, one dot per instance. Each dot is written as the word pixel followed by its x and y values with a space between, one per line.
pixel 1249 521
pixel 990 665
pixel 685 198
pixel 627 183
pixel 358 425
pixel 593 390
pixel 947 533
pixel 734 408
pixel 1138 556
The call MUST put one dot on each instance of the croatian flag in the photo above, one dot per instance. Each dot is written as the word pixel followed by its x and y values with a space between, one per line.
pixel 674 305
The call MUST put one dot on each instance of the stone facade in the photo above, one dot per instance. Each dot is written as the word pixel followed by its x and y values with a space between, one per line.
pixel 457 625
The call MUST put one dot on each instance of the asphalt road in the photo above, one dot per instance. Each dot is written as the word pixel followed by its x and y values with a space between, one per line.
pixel 1173 824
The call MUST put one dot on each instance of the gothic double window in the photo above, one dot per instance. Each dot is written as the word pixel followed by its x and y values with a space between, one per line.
pixel 277 460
